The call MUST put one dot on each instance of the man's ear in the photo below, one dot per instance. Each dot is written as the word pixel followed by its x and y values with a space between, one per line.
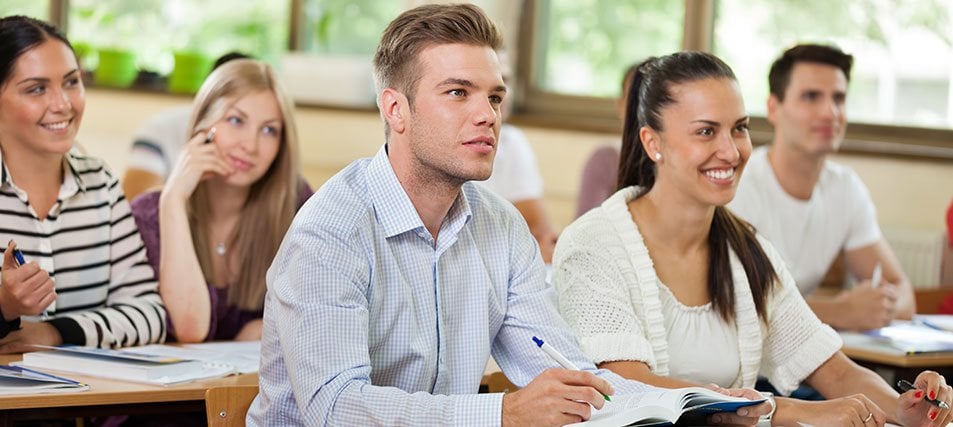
pixel 773 104
pixel 394 108
pixel 651 143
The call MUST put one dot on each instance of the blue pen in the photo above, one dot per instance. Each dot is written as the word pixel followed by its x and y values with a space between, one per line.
pixel 19 260
pixel 18 257
pixel 560 359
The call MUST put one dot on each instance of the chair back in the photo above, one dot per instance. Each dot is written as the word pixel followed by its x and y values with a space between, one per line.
pixel 226 406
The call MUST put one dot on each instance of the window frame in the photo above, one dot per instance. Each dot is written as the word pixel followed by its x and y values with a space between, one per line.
pixel 537 107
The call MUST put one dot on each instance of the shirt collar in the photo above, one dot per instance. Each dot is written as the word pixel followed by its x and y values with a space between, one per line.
pixel 71 168
pixel 72 180
pixel 392 205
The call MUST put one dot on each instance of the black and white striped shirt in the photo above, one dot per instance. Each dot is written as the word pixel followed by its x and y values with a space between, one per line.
pixel 107 294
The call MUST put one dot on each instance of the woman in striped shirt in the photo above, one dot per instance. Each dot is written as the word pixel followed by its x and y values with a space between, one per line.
pixel 85 279
pixel 226 206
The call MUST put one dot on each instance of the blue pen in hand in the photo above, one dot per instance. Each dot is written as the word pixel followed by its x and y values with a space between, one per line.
pixel 18 257
pixel 560 359
pixel 19 260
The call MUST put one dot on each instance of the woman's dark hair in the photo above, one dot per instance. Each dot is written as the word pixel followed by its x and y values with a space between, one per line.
pixel 19 34
pixel 650 93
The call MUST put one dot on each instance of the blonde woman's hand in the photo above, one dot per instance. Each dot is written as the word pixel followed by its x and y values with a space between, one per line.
pixel 199 160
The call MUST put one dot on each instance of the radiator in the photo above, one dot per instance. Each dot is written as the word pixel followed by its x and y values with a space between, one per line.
pixel 920 253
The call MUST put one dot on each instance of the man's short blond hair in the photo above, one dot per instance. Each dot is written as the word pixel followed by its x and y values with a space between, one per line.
pixel 396 62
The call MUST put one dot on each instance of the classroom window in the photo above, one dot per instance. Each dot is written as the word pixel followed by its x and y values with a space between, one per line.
pixel 345 27
pixel 153 30
pixel 903 56
pixel 584 46
pixel 31 8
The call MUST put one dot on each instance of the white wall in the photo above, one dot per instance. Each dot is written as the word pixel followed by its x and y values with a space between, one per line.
pixel 908 193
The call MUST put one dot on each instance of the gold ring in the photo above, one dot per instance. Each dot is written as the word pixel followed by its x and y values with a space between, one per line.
pixel 869 416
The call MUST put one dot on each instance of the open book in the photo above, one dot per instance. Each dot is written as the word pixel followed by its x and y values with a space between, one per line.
pixel 128 364
pixel 19 380
pixel 681 406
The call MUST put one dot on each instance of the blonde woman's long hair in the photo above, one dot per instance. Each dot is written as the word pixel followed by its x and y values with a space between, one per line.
pixel 272 200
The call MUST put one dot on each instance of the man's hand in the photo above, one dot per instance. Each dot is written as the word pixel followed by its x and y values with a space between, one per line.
pixel 554 398
pixel 30 333
pixel 25 290
pixel 866 307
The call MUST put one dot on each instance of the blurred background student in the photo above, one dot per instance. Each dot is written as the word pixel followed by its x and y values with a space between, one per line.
pixel 516 176
pixel 86 271
pixel 813 209
pixel 157 142
pixel 212 231
pixel 600 175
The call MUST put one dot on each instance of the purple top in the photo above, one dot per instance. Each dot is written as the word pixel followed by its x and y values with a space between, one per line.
pixel 599 179
pixel 227 320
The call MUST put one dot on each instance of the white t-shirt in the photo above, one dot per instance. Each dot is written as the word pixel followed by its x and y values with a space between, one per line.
pixel 809 234
pixel 515 172
pixel 157 142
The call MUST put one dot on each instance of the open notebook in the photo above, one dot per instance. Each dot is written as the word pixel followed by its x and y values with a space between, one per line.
pixel 20 380
pixel 688 406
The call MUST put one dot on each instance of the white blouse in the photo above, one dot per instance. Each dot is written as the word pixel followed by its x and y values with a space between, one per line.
pixel 703 347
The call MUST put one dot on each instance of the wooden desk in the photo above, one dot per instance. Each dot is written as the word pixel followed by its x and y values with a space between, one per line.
pixel 892 366
pixel 111 397
pixel 922 361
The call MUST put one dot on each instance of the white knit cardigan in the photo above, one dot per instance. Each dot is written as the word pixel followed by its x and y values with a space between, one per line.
pixel 609 293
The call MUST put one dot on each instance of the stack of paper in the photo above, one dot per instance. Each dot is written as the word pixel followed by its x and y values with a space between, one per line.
pixel 125 364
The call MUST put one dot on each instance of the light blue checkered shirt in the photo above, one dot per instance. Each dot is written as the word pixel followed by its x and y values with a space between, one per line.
pixel 367 322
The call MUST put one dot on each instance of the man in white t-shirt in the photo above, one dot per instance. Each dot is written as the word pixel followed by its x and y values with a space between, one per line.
pixel 516 176
pixel 813 209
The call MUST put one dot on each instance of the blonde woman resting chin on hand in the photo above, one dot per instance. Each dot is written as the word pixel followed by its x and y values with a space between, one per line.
pixel 664 285
pixel 216 225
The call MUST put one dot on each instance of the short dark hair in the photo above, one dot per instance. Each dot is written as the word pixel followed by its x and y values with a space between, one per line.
pixel 19 34
pixel 780 75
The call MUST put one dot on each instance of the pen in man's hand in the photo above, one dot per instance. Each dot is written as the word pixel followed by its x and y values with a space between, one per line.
pixel 906 386
pixel 560 359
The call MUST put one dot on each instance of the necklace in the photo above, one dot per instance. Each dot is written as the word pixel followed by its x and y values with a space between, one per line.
pixel 220 249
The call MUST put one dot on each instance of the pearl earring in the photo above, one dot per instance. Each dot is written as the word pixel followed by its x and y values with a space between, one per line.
pixel 658 156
